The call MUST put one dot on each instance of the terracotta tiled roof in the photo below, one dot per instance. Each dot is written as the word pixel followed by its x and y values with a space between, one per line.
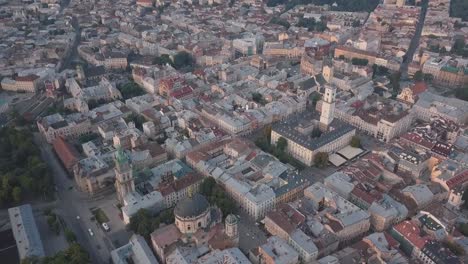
pixel 165 236
pixel 458 180
pixel 411 232
pixel 66 152
pixel 419 87
pixel 27 78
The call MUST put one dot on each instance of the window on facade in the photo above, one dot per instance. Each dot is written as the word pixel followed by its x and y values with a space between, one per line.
pixel 188 227
pixel 199 224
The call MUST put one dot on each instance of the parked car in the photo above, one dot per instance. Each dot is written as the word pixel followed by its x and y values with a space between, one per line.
pixel 106 227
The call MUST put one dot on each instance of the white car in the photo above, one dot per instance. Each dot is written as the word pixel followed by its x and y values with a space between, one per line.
pixel 90 232
pixel 105 226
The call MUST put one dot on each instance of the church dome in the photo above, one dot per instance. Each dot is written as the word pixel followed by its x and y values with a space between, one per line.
pixel 191 206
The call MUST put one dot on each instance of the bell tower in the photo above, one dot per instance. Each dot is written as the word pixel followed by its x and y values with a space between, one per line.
pixel 124 181
pixel 328 107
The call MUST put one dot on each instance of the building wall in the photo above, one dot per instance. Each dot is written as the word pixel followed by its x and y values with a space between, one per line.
pixel 306 155
pixel 304 256
pixel 191 225
pixel 274 229
pixel 354 230
pixel 70 131
pixel 349 54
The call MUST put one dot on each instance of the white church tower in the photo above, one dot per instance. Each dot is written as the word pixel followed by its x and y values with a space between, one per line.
pixel 328 107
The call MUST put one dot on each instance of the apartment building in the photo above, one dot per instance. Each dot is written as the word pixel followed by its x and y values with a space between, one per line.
pixel 72 126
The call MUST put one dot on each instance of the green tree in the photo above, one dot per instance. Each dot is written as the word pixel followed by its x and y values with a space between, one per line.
pixel 321 159
pixel 279 21
pixel 163 60
pixel 74 254
pixel 359 62
pixel 206 187
pixel 16 193
pixel 31 260
pixel 137 119
pixel 463 228
pixel 22 171
pixel 465 199
pixel 454 247
pixel 222 201
pixel 130 89
pixel 355 142
pixel 143 223
pixel 70 236
pixel 315 97
pixel 443 50
pixel 312 25
pixel 395 82
pixel 257 97
pixel 462 93
pixel 418 76
pixel 183 59
pixel 77 255
pixel 379 70
pixel 316 133
pixel 88 137
pixel 356 23
pixel 428 77
pixel 281 144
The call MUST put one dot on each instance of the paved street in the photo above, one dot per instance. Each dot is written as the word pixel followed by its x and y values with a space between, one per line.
pixel 70 204
pixel 414 41
pixel 250 235
pixel 314 174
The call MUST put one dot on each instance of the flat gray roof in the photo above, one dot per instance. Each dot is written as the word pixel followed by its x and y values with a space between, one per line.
pixel 25 231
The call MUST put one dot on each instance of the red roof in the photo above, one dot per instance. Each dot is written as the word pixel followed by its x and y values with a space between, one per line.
pixel 368 197
pixel 66 152
pixel 417 139
pixel 419 87
pixel 411 232
pixel 286 217
pixel 27 78
pixel 165 236
pixel 180 184
pixel 390 240
pixel 458 180
pixel 181 93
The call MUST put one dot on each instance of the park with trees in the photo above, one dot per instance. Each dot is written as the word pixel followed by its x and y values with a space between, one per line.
pixel 278 150
pixel 130 89
pixel 458 8
pixel 144 222
pixel 312 25
pixel 180 61
pixel 23 174
pixel 216 195
pixel 74 254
